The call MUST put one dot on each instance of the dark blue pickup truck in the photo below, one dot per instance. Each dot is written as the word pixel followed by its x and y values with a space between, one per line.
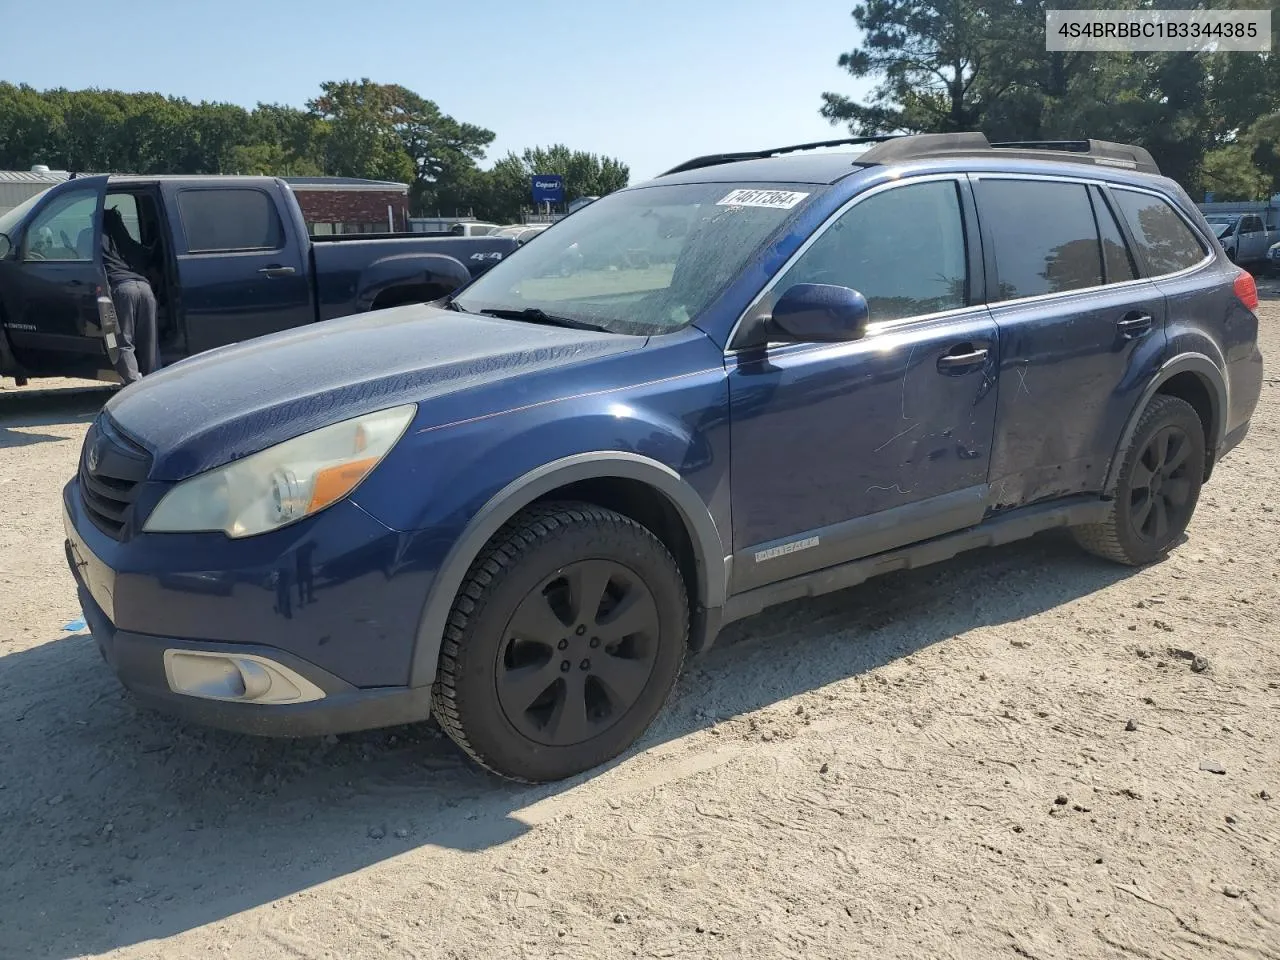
pixel 231 261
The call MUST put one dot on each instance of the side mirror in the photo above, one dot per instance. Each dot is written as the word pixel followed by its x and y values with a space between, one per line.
pixel 820 313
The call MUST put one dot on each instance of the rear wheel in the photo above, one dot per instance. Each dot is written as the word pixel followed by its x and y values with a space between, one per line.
pixel 563 644
pixel 1158 488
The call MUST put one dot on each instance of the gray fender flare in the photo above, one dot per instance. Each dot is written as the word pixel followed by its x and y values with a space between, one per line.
pixel 707 546
pixel 1216 383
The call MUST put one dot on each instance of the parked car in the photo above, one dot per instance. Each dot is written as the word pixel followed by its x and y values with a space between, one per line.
pixel 521 507
pixel 522 233
pixel 473 228
pixel 1273 255
pixel 233 261
pixel 1244 238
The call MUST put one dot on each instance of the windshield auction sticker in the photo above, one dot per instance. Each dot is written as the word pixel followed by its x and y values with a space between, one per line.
pixel 1185 31
pixel 777 199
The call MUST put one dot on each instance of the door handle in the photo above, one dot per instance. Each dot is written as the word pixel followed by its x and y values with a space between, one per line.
pixel 962 358
pixel 276 270
pixel 1135 326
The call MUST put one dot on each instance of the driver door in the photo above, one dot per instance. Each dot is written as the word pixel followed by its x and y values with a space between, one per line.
pixel 844 450
pixel 1253 239
pixel 52 280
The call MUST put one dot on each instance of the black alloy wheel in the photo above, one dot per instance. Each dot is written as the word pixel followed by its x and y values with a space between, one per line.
pixel 578 652
pixel 564 642
pixel 1157 488
pixel 1160 491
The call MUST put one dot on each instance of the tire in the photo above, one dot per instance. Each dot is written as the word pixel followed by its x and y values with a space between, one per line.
pixel 533 683
pixel 1158 488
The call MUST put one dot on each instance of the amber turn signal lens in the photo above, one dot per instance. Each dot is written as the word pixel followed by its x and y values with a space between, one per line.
pixel 334 483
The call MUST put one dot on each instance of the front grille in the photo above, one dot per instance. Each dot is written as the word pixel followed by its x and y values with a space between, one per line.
pixel 111 468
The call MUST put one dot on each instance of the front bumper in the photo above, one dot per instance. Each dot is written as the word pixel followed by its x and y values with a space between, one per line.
pixel 138 661
pixel 335 603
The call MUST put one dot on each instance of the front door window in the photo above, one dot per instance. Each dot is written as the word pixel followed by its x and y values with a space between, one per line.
pixel 63 230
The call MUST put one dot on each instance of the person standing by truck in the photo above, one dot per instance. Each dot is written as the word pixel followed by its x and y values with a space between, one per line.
pixel 126 260
pixel 229 259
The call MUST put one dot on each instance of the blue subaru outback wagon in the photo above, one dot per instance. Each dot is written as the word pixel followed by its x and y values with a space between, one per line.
pixel 758 377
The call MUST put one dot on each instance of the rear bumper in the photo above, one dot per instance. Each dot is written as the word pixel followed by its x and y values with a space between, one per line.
pixel 138 661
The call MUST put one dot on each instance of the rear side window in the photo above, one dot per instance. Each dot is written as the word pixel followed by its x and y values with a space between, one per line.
pixel 127 204
pixel 227 220
pixel 1167 243
pixel 1044 235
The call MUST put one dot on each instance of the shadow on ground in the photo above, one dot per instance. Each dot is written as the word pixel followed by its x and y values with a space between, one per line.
pixel 118 825
pixel 20 410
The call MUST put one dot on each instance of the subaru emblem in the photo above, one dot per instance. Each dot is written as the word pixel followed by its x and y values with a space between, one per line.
pixel 92 456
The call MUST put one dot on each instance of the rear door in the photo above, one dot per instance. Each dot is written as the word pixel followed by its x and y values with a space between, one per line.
pixel 51 280
pixel 241 267
pixel 1080 333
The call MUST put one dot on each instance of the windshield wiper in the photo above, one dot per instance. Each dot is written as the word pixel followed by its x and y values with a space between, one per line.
pixel 537 315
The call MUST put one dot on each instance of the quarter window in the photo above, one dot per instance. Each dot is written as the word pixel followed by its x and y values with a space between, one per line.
pixel 1044 234
pixel 1115 255
pixel 227 220
pixel 902 249
pixel 1167 243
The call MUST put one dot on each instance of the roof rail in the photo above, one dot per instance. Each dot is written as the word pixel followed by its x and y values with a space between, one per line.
pixel 1101 153
pixel 714 159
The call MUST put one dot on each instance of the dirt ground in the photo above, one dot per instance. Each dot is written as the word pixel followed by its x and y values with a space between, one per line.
pixel 1023 752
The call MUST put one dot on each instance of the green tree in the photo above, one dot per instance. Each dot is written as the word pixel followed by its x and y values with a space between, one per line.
pixel 941 64
pixel 362 140
pixel 30 128
pixel 353 128
pixel 951 65
pixel 283 141
pixel 506 189
pixel 445 152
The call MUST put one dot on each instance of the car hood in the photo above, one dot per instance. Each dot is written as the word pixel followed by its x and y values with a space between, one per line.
pixel 227 403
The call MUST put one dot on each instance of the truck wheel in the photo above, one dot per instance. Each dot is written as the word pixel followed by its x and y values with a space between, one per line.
pixel 563 644
pixel 1158 488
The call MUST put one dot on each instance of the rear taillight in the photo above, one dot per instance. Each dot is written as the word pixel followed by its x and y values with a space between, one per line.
pixel 1246 289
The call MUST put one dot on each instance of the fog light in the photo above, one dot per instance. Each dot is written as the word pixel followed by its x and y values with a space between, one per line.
pixel 240 677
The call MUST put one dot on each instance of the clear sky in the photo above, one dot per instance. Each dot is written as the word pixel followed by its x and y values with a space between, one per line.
pixel 652 83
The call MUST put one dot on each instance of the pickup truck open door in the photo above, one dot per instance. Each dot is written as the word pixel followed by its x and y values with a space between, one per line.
pixel 54 301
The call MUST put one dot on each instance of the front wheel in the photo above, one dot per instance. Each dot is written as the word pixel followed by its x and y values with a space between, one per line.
pixel 564 642
pixel 1158 488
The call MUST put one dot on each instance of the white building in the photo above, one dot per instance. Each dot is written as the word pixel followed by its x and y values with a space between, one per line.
pixel 18 185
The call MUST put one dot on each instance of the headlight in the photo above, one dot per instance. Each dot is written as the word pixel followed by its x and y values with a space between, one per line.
pixel 284 483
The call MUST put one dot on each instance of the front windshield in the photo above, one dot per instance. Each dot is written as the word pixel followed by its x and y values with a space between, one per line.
pixel 11 218
pixel 640 261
